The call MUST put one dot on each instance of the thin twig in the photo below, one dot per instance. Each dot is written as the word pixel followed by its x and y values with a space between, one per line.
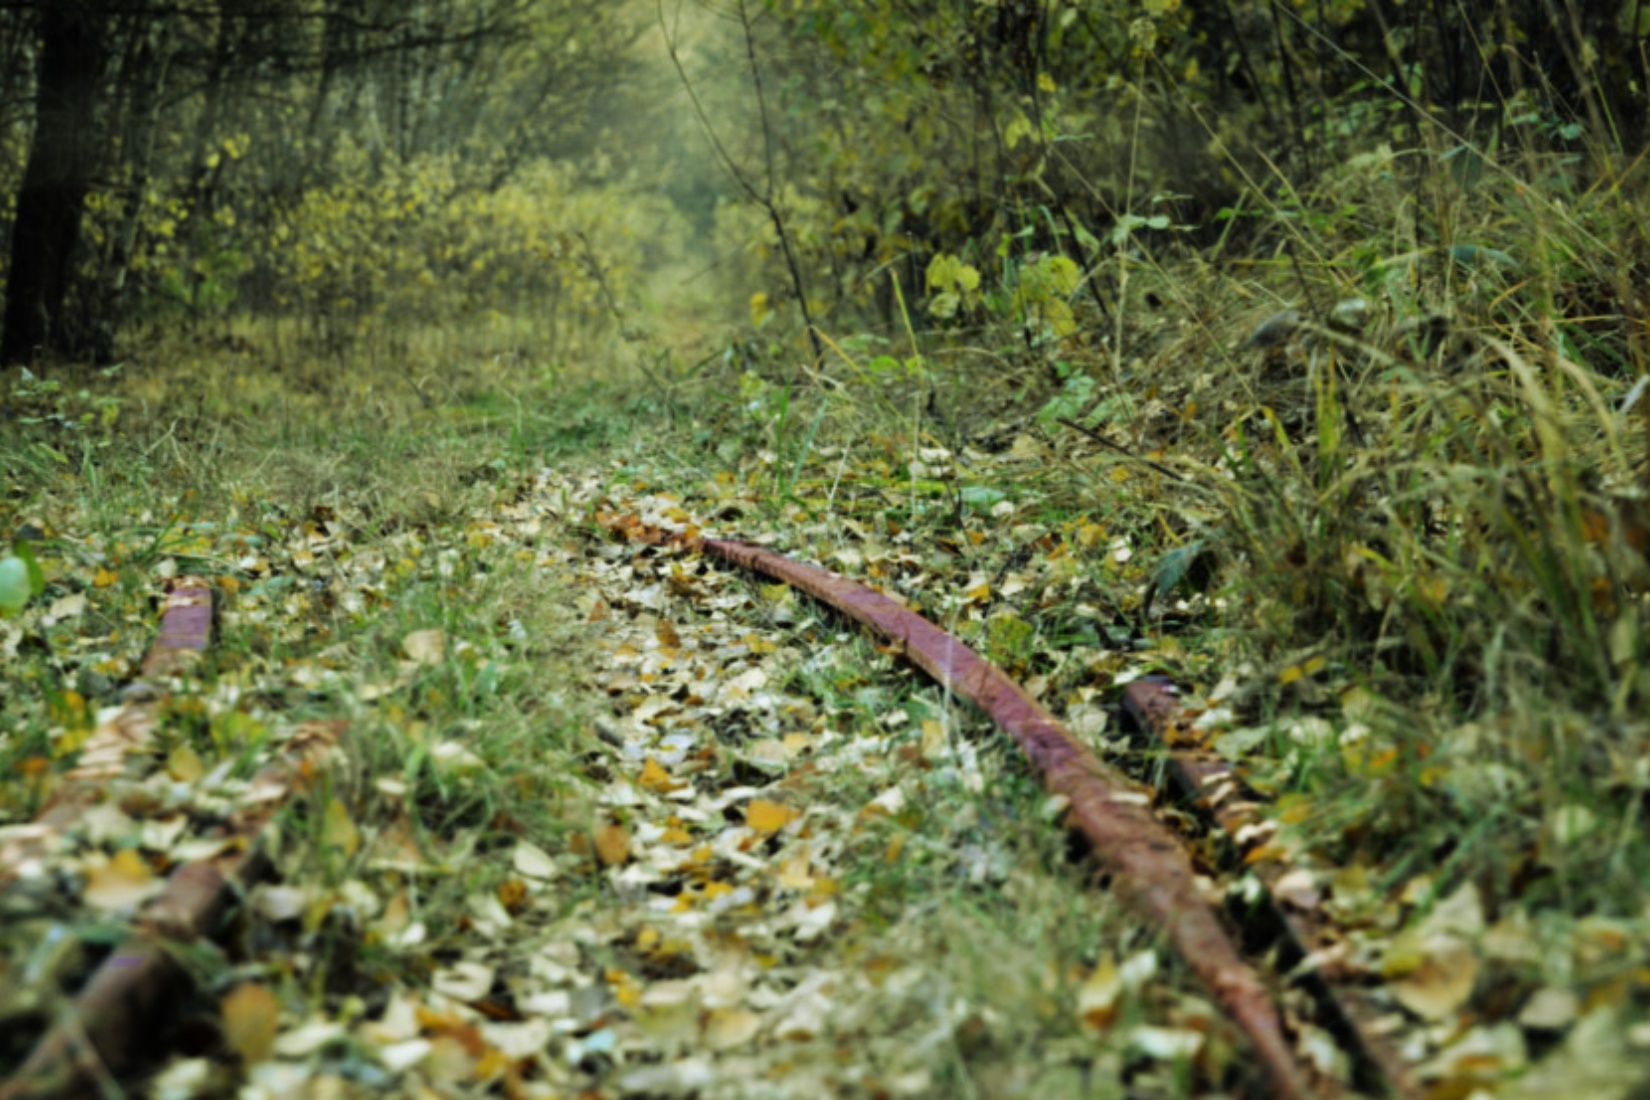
pixel 1122 450
pixel 764 199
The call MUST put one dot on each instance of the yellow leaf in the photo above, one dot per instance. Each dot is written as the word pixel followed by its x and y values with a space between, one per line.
pixel 612 845
pixel 767 817
pixel 184 764
pixel 512 894
pixel 338 829
pixel 123 881
pixel 655 778
pixel 934 741
pixel 251 1018
pixel 105 578
pixel 1434 590
pixel 1442 981
pixel 492 1065
pixel 1018 129
pixel 1294 810
pixel 1099 994
pixel 69 709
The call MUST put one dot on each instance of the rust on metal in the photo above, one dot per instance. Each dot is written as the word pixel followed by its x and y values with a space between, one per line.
pixel 185 632
pixel 119 1015
pixel 1209 781
pixel 1112 813
pixel 185 629
pixel 122 1012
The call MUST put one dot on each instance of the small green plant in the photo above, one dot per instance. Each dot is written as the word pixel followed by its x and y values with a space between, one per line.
pixel 21 579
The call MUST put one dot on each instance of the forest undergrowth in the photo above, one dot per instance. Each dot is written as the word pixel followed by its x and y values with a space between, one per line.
pixel 1357 460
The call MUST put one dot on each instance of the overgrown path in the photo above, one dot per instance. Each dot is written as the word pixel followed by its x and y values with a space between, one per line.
pixel 548 812
pixel 742 834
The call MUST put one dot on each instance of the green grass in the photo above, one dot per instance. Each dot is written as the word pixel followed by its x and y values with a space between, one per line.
pixel 1399 567
pixel 332 537
pixel 338 530
pixel 1422 589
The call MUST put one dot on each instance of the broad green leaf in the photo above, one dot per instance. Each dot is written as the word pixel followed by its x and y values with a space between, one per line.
pixel 1468 254
pixel 21 579
pixel 14 585
pixel 1176 564
pixel 982 497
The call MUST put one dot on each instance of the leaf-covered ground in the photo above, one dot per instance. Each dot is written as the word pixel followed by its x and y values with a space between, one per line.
pixel 608 819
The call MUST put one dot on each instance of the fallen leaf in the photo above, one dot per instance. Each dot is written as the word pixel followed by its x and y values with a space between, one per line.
pixel 1594 1061
pixel 531 861
pixel 612 845
pixel 465 981
pixel 765 817
pixel 338 830
pixel 1550 1009
pixel 251 1020
pixel 184 764
pixel 425 647
pixel 67 607
pixel 656 779
pixel 512 894
pixel 1098 996
pixel 731 1027
pixel 1443 980
pixel 308 1039
pixel 1166 1043
pixel 124 881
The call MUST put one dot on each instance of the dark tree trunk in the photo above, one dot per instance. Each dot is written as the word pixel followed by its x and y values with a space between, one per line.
pixel 131 126
pixel 62 157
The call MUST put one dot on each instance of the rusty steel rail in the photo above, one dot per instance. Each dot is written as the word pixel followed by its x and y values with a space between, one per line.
pixel 1110 812
pixel 1211 784
pixel 185 633
pixel 123 1009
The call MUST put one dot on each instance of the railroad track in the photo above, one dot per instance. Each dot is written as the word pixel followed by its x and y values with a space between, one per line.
pixel 115 1021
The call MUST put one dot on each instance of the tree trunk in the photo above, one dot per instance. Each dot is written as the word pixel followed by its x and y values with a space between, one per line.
pixel 52 198
pixel 141 80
